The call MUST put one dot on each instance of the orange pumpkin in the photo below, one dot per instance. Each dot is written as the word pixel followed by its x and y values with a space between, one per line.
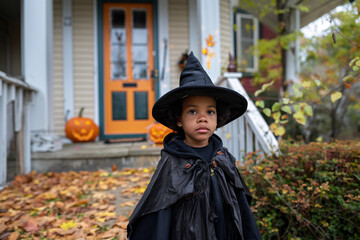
pixel 81 129
pixel 158 132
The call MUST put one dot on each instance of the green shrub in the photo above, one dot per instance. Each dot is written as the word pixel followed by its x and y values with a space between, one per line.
pixel 309 192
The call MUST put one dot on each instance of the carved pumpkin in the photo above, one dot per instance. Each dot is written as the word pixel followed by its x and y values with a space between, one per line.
pixel 81 129
pixel 158 132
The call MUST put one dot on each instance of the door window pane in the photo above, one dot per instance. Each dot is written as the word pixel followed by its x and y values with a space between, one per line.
pixel 140 53
pixel 139 18
pixel 139 44
pixel 140 70
pixel 140 36
pixel 141 105
pixel 118 44
pixel 118 18
pixel 119 106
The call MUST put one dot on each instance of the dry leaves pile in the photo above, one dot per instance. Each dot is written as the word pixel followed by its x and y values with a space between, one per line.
pixel 71 205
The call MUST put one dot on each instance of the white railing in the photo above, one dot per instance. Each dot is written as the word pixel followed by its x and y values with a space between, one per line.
pixel 249 133
pixel 15 98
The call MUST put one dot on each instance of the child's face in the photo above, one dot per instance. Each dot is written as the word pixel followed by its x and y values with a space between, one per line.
pixel 198 120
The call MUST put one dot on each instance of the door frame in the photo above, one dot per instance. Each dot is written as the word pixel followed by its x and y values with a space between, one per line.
pixel 100 57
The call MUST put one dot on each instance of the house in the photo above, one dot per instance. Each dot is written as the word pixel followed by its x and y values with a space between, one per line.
pixel 113 57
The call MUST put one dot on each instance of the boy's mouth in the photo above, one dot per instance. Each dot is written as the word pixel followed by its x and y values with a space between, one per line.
pixel 202 130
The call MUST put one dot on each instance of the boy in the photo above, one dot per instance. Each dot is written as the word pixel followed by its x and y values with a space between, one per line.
pixel 196 191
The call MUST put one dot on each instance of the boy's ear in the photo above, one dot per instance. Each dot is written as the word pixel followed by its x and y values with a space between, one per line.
pixel 178 122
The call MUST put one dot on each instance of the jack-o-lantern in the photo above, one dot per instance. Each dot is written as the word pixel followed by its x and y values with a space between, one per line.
pixel 81 129
pixel 158 132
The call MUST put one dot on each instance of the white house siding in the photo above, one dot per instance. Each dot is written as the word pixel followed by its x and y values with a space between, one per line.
pixel 178 36
pixel 225 33
pixel 83 45
pixel 59 120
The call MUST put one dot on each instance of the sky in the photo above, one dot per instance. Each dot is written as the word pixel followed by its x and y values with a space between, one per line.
pixel 318 27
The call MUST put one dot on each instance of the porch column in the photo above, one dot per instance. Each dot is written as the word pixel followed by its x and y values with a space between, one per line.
pixel 209 20
pixel 37 60
pixel 292 54
pixel 68 69
pixel 164 47
pixel 194 26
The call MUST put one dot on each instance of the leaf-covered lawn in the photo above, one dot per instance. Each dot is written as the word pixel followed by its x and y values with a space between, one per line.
pixel 71 205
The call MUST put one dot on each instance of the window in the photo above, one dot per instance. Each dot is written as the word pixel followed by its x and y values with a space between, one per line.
pixel 246 38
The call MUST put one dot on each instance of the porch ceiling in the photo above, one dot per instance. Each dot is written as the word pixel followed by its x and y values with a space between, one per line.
pixel 316 9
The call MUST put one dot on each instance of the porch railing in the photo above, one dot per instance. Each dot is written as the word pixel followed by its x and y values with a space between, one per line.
pixel 249 133
pixel 15 98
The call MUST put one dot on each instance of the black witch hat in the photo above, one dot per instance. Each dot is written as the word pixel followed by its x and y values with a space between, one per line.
pixel 195 81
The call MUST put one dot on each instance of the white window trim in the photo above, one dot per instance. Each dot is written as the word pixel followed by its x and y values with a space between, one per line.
pixel 240 16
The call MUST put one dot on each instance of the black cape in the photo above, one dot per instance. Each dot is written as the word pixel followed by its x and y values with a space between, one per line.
pixel 189 198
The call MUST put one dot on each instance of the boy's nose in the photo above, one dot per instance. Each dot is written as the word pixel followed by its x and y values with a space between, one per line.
pixel 202 118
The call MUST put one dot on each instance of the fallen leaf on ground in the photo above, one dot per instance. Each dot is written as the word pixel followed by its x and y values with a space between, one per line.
pixel 71 205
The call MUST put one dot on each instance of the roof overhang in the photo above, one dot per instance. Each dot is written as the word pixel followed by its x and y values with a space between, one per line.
pixel 316 8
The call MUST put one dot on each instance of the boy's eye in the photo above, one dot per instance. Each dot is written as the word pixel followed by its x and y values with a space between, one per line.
pixel 211 112
pixel 192 112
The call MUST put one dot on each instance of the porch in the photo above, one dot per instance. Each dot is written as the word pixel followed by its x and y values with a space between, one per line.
pixel 93 156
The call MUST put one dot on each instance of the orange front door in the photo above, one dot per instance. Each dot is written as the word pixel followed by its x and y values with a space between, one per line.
pixel 129 91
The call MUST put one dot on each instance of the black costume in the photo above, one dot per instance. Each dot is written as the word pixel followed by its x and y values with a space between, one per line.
pixel 195 193
pixel 192 198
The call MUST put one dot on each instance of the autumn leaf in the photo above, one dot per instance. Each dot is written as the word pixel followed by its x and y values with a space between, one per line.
pixel 128 204
pixel 204 51
pixel 31 226
pixel 276 116
pixel 114 168
pixel 319 139
pixel 280 131
pixel 275 107
pixel 348 78
pixel 308 110
pixel 354 61
pixel 286 109
pixel 285 100
pixel 228 136
pixel 300 118
pixel 260 104
pixel 267 112
pixel 306 84
pixel 139 189
pixel 335 96
pixel 208 62
pixel 277 130
pixel 210 41
pixel 297 92
pixel 67 225
pixel 134 179
pixel 14 236
pixel 2 227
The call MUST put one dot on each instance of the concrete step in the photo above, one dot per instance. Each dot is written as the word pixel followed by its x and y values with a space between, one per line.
pixel 97 155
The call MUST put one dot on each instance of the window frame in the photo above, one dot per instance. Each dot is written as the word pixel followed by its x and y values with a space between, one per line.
pixel 238 18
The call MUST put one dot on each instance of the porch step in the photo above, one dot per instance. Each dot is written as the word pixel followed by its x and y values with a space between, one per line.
pixel 97 155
